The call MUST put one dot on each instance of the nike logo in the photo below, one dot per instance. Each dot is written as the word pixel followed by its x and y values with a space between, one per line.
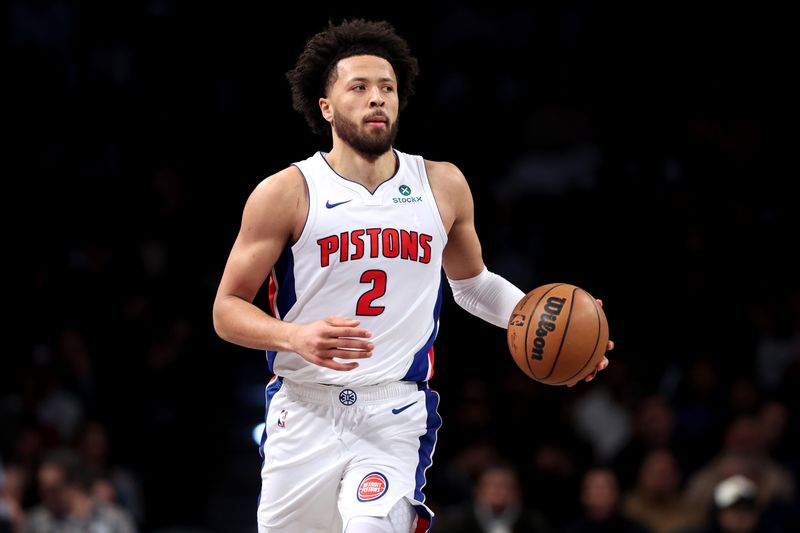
pixel 401 409
pixel 329 205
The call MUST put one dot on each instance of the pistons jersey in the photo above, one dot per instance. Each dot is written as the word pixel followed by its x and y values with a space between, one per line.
pixel 375 257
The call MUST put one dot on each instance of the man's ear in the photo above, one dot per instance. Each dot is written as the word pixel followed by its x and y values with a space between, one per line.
pixel 327 109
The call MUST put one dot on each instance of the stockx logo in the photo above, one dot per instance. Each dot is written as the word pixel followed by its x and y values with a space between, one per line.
pixel 405 190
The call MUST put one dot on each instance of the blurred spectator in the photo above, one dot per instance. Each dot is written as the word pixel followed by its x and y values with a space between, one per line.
pixel 27 451
pixel 6 510
pixel 735 510
pixel 777 347
pixel 463 469
pixel 700 410
pixel 601 414
pixel 11 491
pixel 743 453
pixel 656 501
pixel 600 499
pixel 53 404
pixel 773 419
pixel 560 157
pixel 67 506
pixel 113 483
pixel 74 360
pixel 653 428
pixel 497 506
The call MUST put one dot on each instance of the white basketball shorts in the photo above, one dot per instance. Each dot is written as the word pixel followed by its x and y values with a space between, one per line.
pixel 332 453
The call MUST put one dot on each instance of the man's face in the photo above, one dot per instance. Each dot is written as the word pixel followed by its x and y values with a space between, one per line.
pixel 362 104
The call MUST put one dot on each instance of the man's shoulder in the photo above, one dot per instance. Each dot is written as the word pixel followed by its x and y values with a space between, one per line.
pixel 441 166
pixel 444 174
pixel 284 183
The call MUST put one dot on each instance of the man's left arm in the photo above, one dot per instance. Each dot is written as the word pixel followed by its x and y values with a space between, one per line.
pixel 475 288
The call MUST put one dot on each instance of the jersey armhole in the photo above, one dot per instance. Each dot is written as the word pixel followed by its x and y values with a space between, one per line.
pixel 426 183
pixel 310 211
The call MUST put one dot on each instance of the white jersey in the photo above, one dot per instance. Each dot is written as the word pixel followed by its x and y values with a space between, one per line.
pixel 376 257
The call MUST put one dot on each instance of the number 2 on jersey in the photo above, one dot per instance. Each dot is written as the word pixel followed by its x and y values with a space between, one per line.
pixel 378 280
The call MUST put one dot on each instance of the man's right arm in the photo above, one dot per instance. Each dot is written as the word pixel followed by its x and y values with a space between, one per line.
pixel 272 217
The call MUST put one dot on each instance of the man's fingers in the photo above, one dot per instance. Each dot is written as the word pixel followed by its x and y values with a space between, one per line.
pixel 355 344
pixel 342 321
pixel 610 346
pixel 336 365
pixel 350 345
pixel 347 354
pixel 350 332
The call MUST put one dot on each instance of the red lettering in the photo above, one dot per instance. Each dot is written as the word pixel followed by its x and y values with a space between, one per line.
pixel 391 243
pixel 425 244
pixel 345 247
pixel 327 246
pixel 373 241
pixel 356 238
pixel 408 245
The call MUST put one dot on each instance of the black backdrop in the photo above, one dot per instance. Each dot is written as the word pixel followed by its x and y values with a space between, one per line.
pixel 136 133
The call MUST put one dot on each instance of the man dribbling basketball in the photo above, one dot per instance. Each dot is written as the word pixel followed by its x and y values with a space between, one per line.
pixel 353 241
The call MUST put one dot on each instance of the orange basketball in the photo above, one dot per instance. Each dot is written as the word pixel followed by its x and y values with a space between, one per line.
pixel 557 334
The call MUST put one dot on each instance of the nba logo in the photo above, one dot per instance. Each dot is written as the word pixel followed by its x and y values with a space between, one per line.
pixel 282 418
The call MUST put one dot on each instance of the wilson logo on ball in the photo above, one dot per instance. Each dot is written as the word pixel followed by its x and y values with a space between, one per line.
pixel 372 487
pixel 547 323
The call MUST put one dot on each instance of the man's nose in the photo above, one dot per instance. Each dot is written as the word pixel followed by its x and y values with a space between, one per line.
pixel 376 98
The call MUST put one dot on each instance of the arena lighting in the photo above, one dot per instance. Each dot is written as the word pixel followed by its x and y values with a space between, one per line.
pixel 257 432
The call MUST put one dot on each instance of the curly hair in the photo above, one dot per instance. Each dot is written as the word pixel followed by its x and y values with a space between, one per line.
pixel 315 69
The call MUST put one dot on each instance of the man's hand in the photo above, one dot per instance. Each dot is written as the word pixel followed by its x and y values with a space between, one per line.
pixel 333 336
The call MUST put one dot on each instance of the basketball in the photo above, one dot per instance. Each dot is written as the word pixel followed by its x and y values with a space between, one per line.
pixel 557 334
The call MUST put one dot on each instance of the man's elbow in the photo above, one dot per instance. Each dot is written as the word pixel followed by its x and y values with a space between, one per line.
pixel 218 318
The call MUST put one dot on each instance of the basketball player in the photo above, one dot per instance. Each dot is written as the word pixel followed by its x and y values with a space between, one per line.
pixel 353 241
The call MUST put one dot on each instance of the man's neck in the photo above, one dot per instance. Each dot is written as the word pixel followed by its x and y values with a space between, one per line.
pixel 353 165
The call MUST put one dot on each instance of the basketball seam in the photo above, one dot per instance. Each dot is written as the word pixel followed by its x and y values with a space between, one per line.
pixel 563 335
pixel 533 313
pixel 596 342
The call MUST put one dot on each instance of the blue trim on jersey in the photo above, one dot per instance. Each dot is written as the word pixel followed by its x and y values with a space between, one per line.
pixel 284 269
pixel 269 392
pixel 286 296
pixel 427 441
pixel 419 365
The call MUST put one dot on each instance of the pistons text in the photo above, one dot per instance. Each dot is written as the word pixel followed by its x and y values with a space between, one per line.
pixel 375 242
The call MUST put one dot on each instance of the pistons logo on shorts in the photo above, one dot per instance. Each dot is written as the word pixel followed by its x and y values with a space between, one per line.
pixel 372 487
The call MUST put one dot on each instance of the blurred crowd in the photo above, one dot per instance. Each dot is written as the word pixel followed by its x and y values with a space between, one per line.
pixel 656 184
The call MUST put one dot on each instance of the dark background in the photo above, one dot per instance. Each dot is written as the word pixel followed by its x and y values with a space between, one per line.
pixel 645 154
